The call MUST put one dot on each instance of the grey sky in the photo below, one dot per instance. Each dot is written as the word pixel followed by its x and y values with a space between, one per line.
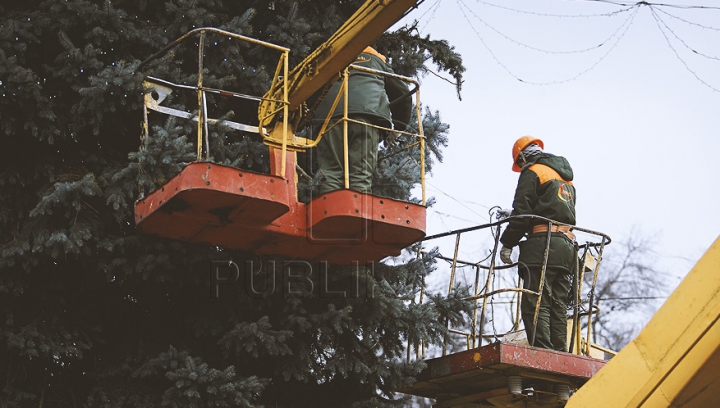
pixel 639 128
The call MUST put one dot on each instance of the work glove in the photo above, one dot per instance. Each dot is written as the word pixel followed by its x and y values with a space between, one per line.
pixel 391 139
pixel 503 213
pixel 505 254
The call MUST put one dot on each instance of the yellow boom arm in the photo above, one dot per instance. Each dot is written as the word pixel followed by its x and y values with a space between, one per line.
pixel 322 65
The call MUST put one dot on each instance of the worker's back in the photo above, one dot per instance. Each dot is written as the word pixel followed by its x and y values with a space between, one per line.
pixel 369 94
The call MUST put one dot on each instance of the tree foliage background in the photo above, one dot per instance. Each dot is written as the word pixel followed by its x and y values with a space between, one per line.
pixel 92 313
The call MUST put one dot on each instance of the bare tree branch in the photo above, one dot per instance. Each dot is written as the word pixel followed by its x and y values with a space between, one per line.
pixel 629 290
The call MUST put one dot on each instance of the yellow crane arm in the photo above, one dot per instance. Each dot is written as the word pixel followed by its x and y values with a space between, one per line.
pixel 675 360
pixel 323 64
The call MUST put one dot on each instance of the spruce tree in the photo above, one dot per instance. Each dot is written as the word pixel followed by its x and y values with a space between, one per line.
pixel 94 314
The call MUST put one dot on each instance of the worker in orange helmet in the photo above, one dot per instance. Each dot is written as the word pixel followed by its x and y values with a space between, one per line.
pixel 544 188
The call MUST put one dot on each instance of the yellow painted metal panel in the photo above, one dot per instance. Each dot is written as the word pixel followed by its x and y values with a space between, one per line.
pixel 660 367
pixel 671 390
pixel 613 387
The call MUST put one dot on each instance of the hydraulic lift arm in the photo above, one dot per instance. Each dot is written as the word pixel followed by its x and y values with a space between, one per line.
pixel 286 96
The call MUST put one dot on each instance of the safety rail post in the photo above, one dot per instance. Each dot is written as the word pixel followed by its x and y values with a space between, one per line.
pixel 452 283
pixel 200 97
pixel 418 115
pixel 285 104
pixel 474 330
pixel 454 264
pixel 581 281
pixel 592 293
pixel 144 138
pixel 576 299
pixel 577 290
pixel 518 316
pixel 346 154
pixel 422 295
pixel 488 282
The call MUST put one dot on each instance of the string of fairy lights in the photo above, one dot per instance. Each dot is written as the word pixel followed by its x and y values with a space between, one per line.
pixel 691 23
pixel 679 6
pixel 658 11
pixel 623 30
pixel 661 21
pixel 546 51
pixel 609 14
pixel 661 24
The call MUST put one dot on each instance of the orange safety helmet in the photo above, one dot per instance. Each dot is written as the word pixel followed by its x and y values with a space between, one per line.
pixel 520 144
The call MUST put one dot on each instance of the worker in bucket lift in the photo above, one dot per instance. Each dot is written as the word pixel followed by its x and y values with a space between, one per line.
pixel 544 188
pixel 372 98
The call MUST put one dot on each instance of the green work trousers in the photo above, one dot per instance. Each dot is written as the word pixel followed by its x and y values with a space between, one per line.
pixel 551 328
pixel 362 156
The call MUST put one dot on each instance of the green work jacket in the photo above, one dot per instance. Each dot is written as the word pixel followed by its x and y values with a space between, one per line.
pixel 544 188
pixel 370 96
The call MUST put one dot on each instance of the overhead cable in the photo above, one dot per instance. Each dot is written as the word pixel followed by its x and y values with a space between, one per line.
pixel 453 198
pixel 457 201
pixel 647 3
pixel 657 18
pixel 610 14
pixel 660 25
pixel 543 50
pixel 626 26
pixel 688 22
pixel 432 11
